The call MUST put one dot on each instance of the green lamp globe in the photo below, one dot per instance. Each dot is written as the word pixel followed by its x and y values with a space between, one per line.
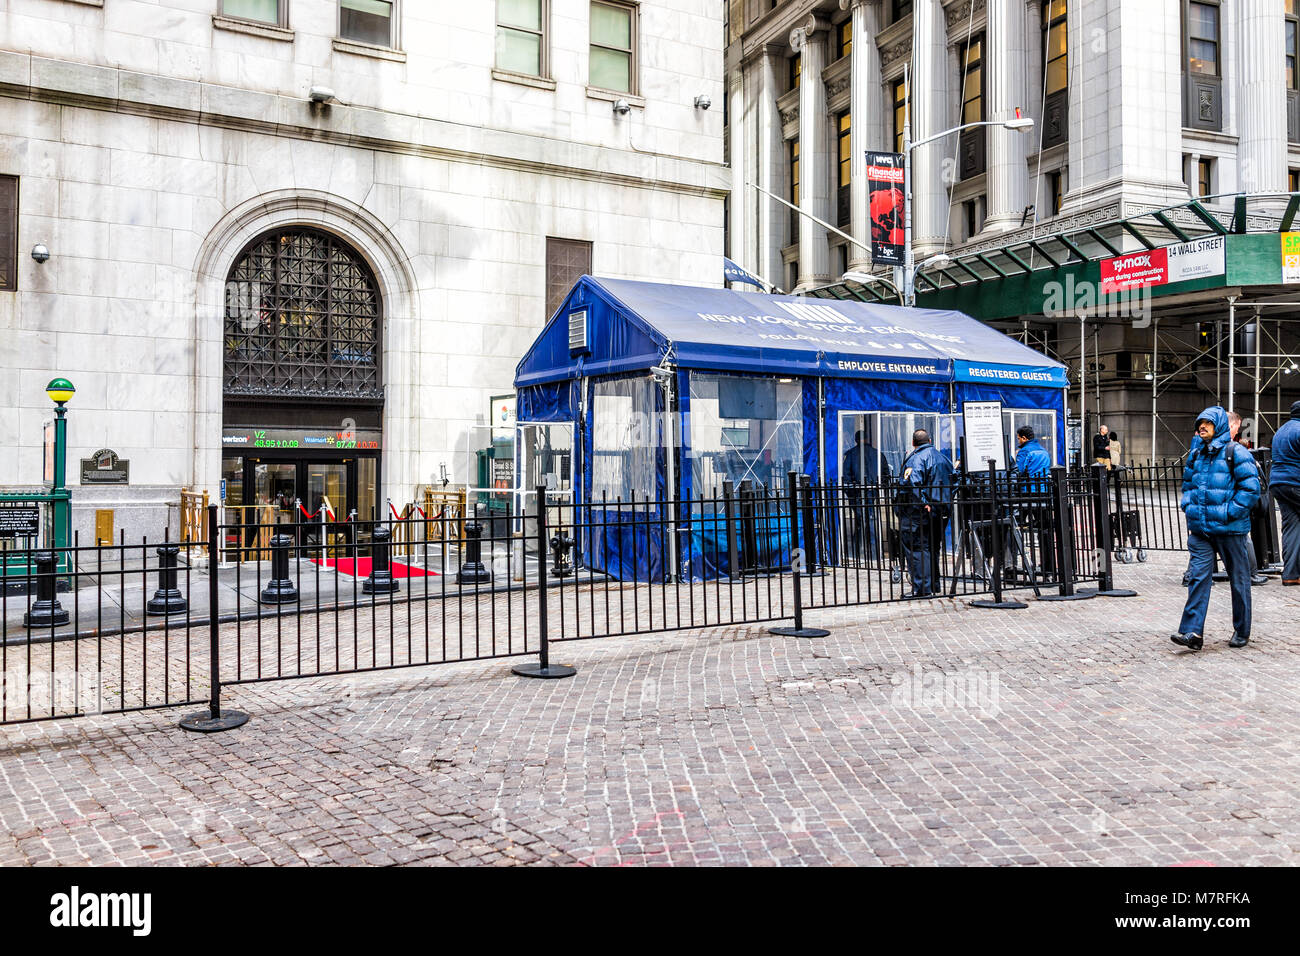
pixel 60 391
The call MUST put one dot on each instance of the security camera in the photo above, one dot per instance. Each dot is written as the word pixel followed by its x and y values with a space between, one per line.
pixel 703 102
pixel 321 94
pixel 621 107
pixel 40 253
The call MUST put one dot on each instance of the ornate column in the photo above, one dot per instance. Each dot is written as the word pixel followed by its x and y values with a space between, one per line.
pixel 773 218
pixel 1261 96
pixel 932 112
pixel 744 169
pixel 866 102
pixel 1004 64
pixel 809 41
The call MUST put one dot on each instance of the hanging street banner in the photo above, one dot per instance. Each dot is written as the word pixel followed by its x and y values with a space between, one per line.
pixel 1198 259
pixel 885 186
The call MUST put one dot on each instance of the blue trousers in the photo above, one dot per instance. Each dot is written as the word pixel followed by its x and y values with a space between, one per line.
pixel 1234 549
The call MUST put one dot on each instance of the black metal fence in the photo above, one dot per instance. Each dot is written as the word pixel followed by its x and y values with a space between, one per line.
pixel 149 625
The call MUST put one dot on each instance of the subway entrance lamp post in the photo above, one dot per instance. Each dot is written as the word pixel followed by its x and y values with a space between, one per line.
pixel 60 392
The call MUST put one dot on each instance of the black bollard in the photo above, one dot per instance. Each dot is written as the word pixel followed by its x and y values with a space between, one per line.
pixel 281 590
pixel 561 544
pixel 797 567
pixel 472 570
pixel 381 580
pixel 1106 571
pixel 46 611
pixel 168 598
pixel 1063 538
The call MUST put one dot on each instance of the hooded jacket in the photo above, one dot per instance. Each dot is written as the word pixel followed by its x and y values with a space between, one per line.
pixel 1032 461
pixel 1217 499
pixel 1286 452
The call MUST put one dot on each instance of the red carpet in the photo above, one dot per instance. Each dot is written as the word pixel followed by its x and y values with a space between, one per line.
pixel 362 568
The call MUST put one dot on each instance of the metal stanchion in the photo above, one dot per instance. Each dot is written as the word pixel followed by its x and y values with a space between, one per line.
pixel 543 668
pixel 999 555
pixel 472 570
pixel 797 563
pixel 1101 504
pixel 1063 531
pixel 213 720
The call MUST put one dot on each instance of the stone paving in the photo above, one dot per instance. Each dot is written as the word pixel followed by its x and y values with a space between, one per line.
pixel 918 733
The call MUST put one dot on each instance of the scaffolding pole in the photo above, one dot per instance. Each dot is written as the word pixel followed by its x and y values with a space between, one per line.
pixel 1232 352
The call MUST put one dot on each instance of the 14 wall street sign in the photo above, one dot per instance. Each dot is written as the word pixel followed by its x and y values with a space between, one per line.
pixel 105 468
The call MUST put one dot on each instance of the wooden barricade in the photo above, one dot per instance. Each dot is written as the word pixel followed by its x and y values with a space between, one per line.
pixel 194 518
pixel 443 504
pixel 246 531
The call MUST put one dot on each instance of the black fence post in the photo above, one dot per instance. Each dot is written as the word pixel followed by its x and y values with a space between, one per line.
pixel 46 611
pixel 1104 540
pixel 1063 532
pixel 797 564
pixel 729 515
pixel 812 559
pixel 280 589
pixel 168 598
pixel 213 720
pixel 380 579
pixel 543 668
pixel 999 550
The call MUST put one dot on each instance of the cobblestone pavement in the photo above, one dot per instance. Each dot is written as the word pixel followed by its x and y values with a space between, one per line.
pixel 918 733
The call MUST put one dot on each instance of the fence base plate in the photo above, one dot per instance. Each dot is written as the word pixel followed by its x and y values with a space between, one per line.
pixel 1076 596
pixel 999 605
pixel 799 631
pixel 1117 592
pixel 550 672
pixel 201 722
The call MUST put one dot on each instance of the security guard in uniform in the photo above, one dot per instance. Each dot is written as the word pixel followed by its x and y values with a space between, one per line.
pixel 925 491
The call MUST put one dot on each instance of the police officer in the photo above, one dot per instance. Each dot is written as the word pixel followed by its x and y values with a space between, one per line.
pixel 925 491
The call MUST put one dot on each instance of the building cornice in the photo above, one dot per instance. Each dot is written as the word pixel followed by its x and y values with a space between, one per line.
pixel 26 76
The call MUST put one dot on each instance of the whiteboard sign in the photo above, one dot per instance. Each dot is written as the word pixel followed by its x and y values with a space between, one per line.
pixel 985 441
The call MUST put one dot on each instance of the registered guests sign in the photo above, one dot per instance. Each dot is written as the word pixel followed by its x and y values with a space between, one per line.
pixel 985 442
pixel 20 521
pixel 105 468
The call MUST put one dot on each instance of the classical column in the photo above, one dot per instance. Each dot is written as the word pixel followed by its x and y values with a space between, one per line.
pixel 1261 97
pixel 866 102
pixel 1005 56
pixel 933 110
pixel 743 170
pixel 773 218
pixel 809 41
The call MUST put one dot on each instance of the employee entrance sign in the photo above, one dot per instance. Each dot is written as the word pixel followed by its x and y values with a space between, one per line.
pixel 985 439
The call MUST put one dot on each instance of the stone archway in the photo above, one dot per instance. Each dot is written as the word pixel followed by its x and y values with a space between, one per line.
pixel 393 274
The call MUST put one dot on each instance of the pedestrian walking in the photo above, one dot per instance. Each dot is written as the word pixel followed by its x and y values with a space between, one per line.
pixel 1285 484
pixel 1220 487
pixel 1101 447
pixel 1116 451
pixel 924 495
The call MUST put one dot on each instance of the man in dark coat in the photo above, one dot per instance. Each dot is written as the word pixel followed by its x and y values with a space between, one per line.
pixel 1220 487
pixel 1285 484
pixel 924 494
pixel 1101 447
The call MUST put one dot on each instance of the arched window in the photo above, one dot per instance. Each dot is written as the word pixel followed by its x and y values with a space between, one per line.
pixel 303 319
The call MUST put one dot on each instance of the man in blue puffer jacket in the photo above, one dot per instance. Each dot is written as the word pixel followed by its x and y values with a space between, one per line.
pixel 1220 487
pixel 1285 482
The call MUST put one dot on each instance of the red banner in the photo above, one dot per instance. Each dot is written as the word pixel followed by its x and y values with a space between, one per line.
pixel 1134 271
pixel 885 186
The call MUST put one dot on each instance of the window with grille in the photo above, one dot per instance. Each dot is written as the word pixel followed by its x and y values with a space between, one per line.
pixel 8 233
pixel 567 261
pixel 303 318
pixel 1056 102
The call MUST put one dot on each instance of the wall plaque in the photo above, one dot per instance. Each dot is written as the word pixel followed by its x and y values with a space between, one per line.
pixel 105 468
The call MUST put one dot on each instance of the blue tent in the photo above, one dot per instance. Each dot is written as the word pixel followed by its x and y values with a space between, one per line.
pixel 754 385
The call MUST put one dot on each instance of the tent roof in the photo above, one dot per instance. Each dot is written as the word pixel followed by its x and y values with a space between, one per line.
pixel 634 325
